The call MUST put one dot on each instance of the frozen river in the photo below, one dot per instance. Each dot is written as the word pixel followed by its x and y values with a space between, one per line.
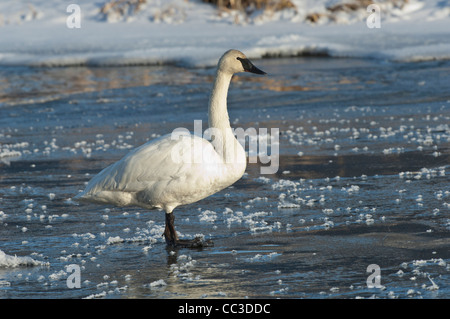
pixel 363 180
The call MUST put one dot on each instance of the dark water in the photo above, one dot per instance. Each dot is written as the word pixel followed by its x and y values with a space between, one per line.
pixel 363 180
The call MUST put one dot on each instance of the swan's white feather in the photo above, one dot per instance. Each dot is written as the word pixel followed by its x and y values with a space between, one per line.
pixel 164 173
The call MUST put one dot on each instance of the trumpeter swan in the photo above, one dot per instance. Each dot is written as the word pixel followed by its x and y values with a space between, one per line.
pixel 177 170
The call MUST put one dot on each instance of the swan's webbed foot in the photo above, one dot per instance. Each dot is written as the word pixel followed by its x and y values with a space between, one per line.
pixel 197 242
pixel 172 238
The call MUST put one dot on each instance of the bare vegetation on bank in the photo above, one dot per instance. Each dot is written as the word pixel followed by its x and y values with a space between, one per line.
pixel 330 13
pixel 250 5
pixel 121 8
pixel 246 10
pixel 351 6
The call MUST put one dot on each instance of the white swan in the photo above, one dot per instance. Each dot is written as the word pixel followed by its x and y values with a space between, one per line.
pixel 178 170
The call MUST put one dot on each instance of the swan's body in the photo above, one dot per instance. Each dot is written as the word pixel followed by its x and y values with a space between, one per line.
pixel 150 177
pixel 178 170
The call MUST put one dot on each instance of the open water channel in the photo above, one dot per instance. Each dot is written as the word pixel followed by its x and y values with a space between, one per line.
pixel 362 179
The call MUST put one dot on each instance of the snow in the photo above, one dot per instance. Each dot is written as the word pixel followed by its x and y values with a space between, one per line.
pixel 192 33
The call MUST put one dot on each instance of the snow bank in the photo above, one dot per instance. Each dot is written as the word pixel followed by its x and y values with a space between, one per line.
pixel 192 33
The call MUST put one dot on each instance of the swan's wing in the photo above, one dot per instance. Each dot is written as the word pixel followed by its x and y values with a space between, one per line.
pixel 163 173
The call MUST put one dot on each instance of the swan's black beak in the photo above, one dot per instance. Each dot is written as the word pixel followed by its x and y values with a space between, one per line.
pixel 249 67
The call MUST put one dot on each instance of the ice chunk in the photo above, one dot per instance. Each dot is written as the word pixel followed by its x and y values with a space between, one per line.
pixel 15 261
pixel 157 283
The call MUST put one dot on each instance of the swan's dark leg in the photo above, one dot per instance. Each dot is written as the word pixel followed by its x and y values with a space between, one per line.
pixel 171 236
pixel 169 232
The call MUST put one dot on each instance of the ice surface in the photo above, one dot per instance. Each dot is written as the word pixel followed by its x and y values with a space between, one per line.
pixel 308 231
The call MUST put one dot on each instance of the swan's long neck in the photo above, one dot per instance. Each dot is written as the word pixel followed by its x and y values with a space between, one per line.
pixel 223 138
pixel 218 113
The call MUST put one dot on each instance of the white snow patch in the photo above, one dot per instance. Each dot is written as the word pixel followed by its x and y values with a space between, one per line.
pixel 192 33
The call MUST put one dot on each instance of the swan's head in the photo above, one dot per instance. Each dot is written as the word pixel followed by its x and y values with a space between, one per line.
pixel 234 61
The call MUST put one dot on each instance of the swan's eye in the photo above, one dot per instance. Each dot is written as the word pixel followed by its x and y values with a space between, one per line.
pixel 246 64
